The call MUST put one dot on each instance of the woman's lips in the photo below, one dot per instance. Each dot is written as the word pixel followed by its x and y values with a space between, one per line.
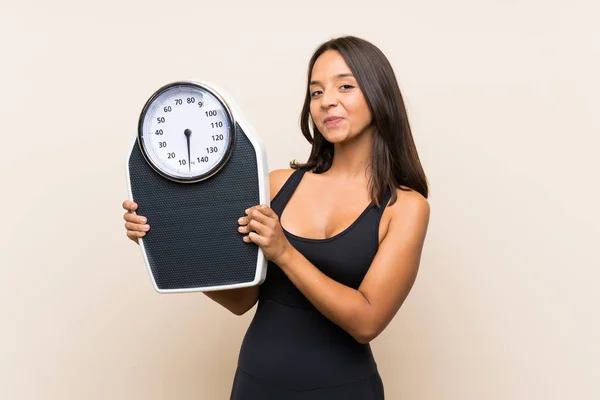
pixel 332 121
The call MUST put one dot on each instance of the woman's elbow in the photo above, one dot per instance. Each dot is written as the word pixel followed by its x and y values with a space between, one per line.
pixel 365 338
pixel 239 311
pixel 366 334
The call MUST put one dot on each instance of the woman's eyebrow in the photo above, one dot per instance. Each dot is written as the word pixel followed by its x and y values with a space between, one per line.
pixel 342 75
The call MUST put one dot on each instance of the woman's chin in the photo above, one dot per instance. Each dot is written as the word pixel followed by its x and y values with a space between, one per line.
pixel 335 137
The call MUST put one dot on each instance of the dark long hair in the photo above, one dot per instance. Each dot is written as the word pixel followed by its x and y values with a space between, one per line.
pixel 395 161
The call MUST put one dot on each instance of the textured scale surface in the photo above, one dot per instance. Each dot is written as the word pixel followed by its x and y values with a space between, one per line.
pixel 193 241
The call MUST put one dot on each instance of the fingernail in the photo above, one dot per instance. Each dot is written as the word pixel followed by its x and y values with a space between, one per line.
pixel 143 220
pixel 146 227
pixel 241 220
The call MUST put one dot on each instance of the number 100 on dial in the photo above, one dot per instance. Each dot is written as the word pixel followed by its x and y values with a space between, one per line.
pixel 186 132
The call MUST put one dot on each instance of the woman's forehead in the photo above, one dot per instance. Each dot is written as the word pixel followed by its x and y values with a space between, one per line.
pixel 329 65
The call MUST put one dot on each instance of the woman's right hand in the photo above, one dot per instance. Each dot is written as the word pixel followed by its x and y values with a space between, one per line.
pixel 136 225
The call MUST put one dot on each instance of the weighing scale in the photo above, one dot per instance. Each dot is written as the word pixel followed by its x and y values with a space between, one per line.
pixel 194 167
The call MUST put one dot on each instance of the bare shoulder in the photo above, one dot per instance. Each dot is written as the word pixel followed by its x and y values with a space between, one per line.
pixel 409 214
pixel 277 179
pixel 409 202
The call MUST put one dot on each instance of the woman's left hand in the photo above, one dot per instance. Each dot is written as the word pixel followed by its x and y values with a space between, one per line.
pixel 261 226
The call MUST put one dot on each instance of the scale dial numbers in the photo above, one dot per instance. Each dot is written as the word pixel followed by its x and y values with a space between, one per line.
pixel 186 132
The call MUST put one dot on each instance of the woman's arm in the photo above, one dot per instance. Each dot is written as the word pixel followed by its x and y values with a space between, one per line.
pixel 238 301
pixel 365 312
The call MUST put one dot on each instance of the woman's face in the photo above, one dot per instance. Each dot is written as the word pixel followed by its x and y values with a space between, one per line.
pixel 338 106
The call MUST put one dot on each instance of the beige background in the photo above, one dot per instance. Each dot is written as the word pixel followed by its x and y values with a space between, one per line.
pixel 503 99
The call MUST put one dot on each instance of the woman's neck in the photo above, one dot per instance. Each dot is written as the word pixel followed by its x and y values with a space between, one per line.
pixel 352 159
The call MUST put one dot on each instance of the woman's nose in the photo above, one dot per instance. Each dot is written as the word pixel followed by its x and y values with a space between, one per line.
pixel 329 99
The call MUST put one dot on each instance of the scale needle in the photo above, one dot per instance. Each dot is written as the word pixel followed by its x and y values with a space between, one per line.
pixel 188 132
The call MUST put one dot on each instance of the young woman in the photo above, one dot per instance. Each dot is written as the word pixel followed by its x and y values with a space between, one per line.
pixel 343 236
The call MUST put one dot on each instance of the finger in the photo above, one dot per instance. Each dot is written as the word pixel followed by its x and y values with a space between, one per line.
pixel 253 225
pixel 257 227
pixel 130 205
pixel 258 215
pixel 249 210
pixel 130 217
pixel 134 235
pixel 253 237
pixel 244 229
pixel 268 211
pixel 246 219
pixel 130 226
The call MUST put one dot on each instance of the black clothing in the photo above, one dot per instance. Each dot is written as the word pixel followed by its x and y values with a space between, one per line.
pixel 291 351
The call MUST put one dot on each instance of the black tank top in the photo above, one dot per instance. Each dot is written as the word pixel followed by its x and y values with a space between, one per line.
pixel 289 342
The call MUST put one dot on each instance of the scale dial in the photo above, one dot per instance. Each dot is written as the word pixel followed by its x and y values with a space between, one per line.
pixel 186 132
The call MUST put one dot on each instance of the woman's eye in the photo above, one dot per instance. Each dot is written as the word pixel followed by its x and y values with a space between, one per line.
pixel 315 93
pixel 347 87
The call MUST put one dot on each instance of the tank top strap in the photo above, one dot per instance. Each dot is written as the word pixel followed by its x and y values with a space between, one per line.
pixel 287 190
